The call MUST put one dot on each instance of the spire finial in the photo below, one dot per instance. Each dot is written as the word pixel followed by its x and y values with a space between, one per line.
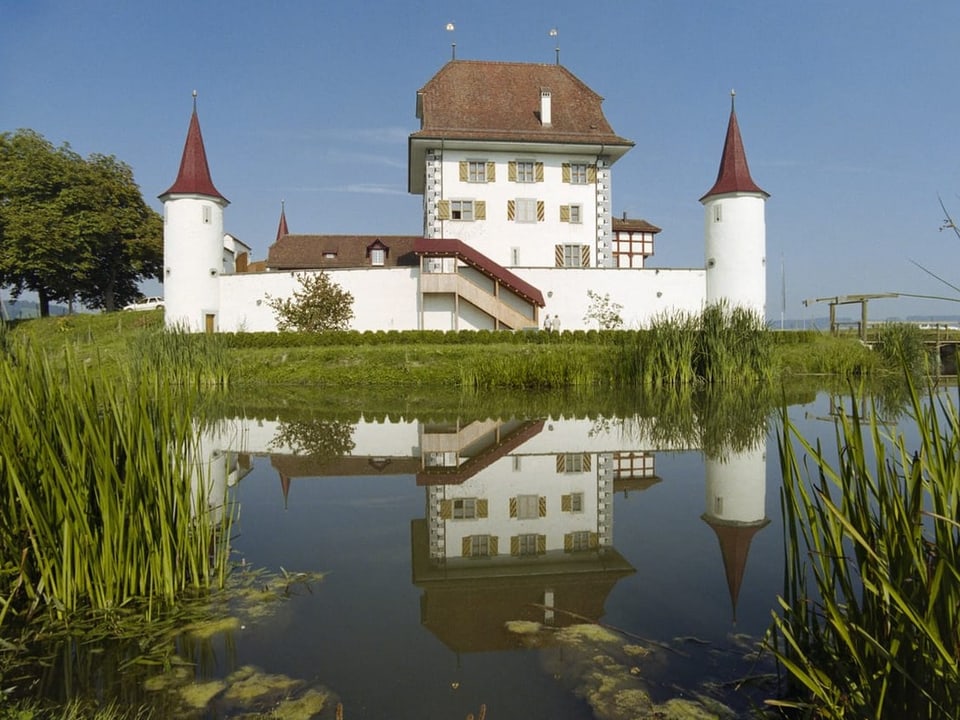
pixel 554 33
pixel 733 97
pixel 453 46
pixel 194 100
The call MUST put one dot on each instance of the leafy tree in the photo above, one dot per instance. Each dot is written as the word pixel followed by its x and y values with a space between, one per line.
pixel 71 227
pixel 604 311
pixel 125 236
pixel 320 304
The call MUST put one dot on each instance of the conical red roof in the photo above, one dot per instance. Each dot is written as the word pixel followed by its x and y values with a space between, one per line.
pixel 282 228
pixel 194 175
pixel 734 175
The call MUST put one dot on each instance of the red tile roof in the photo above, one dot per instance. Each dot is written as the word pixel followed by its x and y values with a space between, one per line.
pixel 313 252
pixel 459 249
pixel 194 176
pixel 734 175
pixel 634 225
pixel 469 99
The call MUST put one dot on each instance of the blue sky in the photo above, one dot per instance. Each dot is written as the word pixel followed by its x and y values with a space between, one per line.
pixel 849 112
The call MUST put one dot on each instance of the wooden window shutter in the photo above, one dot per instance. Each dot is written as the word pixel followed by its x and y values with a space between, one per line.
pixel 494 545
pixel 565 503
pixel 482 507
pixel 491 171
pixel 565 172
pixel 443 210
pixel 479 209
pixel 541 544
pixel 465 545
pixel 561 458
pixel 564 213
pixel 584 256
pixel 591 173
pixel 514 544
pixel 541 211
pixel 446 509
pixel 464 171
pixel 542 506
pixel 538 171
pixel 558 257
pixel 511 209
pixel 512 171
pixel 594 540
pixel 513 507
pixel 567 542
pixel 586 462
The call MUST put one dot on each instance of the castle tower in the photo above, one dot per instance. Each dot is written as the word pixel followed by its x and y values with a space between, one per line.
pixel 193 240
pixel 735 230
pixel 736 491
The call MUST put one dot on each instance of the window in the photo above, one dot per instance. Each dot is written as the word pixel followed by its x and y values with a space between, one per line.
pixel 476 171
pixel 718 213
pixel 573 463
pixel 528 507
pixel 577 541
pixel 479 545
pixel 575 214
pixel 576 502
pixel 206 215
pixel 377 256
pixel 572 255
pixel 526 210
pixel 527 544
pixel 464 509
pixel 578 173
pixel 572 502
pixel 514 256
pixel 525 171
pixel 461 210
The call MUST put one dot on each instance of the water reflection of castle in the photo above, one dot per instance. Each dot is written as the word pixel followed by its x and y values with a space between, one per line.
pixel 519 514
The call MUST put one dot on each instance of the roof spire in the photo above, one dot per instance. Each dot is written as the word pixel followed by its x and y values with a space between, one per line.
pixel 194 175
pixel 733 98
pixel 734 174
pixel 282 227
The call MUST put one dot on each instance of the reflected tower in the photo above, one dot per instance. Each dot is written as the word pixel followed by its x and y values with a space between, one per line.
pixel 736 509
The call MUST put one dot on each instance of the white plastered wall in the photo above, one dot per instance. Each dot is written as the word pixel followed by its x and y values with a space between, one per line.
pixel 735 251
pixel 383 298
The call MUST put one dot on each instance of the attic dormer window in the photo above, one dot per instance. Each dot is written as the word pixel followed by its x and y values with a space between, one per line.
pixel 377 252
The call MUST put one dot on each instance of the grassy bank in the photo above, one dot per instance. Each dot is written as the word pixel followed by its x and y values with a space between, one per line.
pixel 466 359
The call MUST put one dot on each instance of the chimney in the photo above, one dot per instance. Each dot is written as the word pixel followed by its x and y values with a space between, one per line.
pixel 545 107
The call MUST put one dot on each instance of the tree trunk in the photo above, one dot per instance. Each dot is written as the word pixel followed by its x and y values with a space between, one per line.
pixel 44 303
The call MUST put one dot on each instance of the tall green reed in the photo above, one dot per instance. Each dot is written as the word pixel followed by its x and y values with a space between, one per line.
pixel 869 622
pixel 102 499
pixel 721 345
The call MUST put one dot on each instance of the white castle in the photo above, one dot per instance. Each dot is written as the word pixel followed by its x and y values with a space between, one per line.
pixel 514 162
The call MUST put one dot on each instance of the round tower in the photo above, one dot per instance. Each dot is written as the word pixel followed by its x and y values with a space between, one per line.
pixel 193 240
pixel 735 230
pixel 736 492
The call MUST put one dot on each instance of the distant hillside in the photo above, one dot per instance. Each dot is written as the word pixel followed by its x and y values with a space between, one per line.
pixel 23 309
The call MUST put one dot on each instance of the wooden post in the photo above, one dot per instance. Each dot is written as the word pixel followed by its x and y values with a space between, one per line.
pixel 863 320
